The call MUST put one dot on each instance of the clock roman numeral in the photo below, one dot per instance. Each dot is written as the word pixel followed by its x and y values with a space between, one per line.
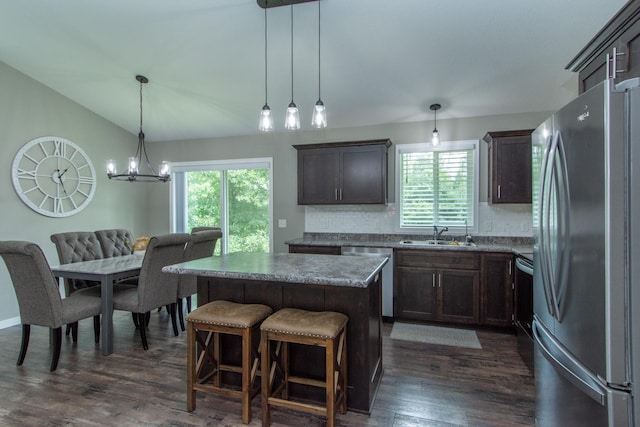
pixel 58 207
pixel 59 149
pixel 25 174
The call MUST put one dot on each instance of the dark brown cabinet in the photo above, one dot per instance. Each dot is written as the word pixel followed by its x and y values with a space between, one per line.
pixel 614 51
pixel 496 290
pixel 321 250
pixel 437 286
pixel 352 172
pixel 509 157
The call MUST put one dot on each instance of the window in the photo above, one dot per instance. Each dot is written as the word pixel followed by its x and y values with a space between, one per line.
pixel 232 195
pixel 437 185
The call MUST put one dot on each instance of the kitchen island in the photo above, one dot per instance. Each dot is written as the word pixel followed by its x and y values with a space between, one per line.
pixel 311 282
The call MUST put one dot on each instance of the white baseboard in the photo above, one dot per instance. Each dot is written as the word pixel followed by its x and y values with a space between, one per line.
pixel 9 322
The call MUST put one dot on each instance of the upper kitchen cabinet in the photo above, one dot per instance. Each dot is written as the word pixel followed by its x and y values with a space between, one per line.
pixel 353 172
pixel 614 51
pixel 509 166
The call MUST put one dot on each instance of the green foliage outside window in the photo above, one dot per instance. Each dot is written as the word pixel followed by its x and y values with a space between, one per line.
pixel 242 195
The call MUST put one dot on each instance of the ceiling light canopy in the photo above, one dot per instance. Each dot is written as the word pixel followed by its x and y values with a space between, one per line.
pixel 134 171
pixel 436 136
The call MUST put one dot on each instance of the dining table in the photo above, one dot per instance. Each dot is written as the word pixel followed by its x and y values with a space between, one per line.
pixel 106 271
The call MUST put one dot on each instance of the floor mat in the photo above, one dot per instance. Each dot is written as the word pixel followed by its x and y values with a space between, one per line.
pixel 435 335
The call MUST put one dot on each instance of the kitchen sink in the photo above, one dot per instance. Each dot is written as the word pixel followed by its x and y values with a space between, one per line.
pixel 435 243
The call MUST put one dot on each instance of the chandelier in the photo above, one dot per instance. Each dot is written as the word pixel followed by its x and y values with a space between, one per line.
pixel 134 171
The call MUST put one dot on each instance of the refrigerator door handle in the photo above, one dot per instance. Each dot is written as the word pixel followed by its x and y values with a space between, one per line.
pixel 568 366
pixel 543 226
pixel 563 239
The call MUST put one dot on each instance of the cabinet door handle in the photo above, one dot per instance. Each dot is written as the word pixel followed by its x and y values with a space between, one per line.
pixel 509 267
pixel 336 197
pixel 440 280
pixel 499 191
pixel 341 194
pixel 433 280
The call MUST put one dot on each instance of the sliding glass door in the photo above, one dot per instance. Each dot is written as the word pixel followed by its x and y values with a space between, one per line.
pixel 233 195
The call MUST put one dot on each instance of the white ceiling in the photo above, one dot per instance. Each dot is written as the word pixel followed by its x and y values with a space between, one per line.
pixel 383 61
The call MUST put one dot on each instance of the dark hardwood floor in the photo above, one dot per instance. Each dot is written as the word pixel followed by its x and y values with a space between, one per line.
pixel 423 385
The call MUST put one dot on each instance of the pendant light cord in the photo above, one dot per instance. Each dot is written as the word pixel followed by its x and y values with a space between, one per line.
pixel 140 107
pixel 319 49
pixel 292 52
pixel 266 4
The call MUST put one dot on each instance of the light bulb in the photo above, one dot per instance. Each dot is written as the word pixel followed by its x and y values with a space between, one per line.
pixel 436 137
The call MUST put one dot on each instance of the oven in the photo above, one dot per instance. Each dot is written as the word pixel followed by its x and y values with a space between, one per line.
pixel 523 313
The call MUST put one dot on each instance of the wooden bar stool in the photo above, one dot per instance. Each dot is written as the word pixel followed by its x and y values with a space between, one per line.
pixel 223 317
pixel 324 329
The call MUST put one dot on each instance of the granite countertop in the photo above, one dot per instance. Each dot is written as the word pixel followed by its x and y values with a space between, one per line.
pixel 516 245
pixel 288 268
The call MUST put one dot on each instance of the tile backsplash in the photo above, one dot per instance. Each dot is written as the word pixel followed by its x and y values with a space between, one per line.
pixel 493 220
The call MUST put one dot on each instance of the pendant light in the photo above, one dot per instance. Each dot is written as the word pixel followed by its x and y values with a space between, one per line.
pixel 292 120
pixel 319 118
pixel 436 137
pixel 266 121
pixel 135 162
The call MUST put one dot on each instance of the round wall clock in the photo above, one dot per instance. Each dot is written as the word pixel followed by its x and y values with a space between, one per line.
pixel 53 176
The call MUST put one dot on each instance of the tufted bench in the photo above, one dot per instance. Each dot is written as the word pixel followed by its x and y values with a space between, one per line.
pixel 324 329
pixel 204 372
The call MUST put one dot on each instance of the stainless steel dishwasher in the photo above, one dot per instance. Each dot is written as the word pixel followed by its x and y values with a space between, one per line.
pixel 387 272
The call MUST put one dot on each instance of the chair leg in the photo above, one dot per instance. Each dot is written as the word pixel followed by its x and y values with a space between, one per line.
pixel 180 313
pixel 57 343
pixel 135 320
pixel 191 367
pixel 147 318
pixel 74 331
pixel 143 333
pixel 96 328
pixel 189 304
pixel 172 310
pixel 26 331
pixel 67 330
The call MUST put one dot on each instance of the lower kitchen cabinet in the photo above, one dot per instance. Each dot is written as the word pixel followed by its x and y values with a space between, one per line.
pixel 437 286
pixel 321 250
pixel 497 289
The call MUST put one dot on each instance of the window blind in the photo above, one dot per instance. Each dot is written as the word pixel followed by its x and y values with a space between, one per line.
pixel 437 187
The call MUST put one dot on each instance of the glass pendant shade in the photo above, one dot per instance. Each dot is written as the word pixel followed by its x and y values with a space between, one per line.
pixel 164 169
pixel 292 121
pixel 435 140
pixel 133 166
pixel 111 167
pixel 319 118
pixel 266 119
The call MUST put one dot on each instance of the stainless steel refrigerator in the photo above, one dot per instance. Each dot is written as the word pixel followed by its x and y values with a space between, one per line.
pixel 586 214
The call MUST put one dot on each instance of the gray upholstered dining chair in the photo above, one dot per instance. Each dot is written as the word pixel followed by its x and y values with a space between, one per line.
pixel 196 229
pixel 201 245
pixel 115 242
pixel 76 246
pixel 155 288
pixel 39 297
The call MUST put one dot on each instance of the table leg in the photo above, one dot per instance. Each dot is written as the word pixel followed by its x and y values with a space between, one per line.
pixel 106 294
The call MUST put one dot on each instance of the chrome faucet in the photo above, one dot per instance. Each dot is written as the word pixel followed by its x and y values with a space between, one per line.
pixel 437 234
